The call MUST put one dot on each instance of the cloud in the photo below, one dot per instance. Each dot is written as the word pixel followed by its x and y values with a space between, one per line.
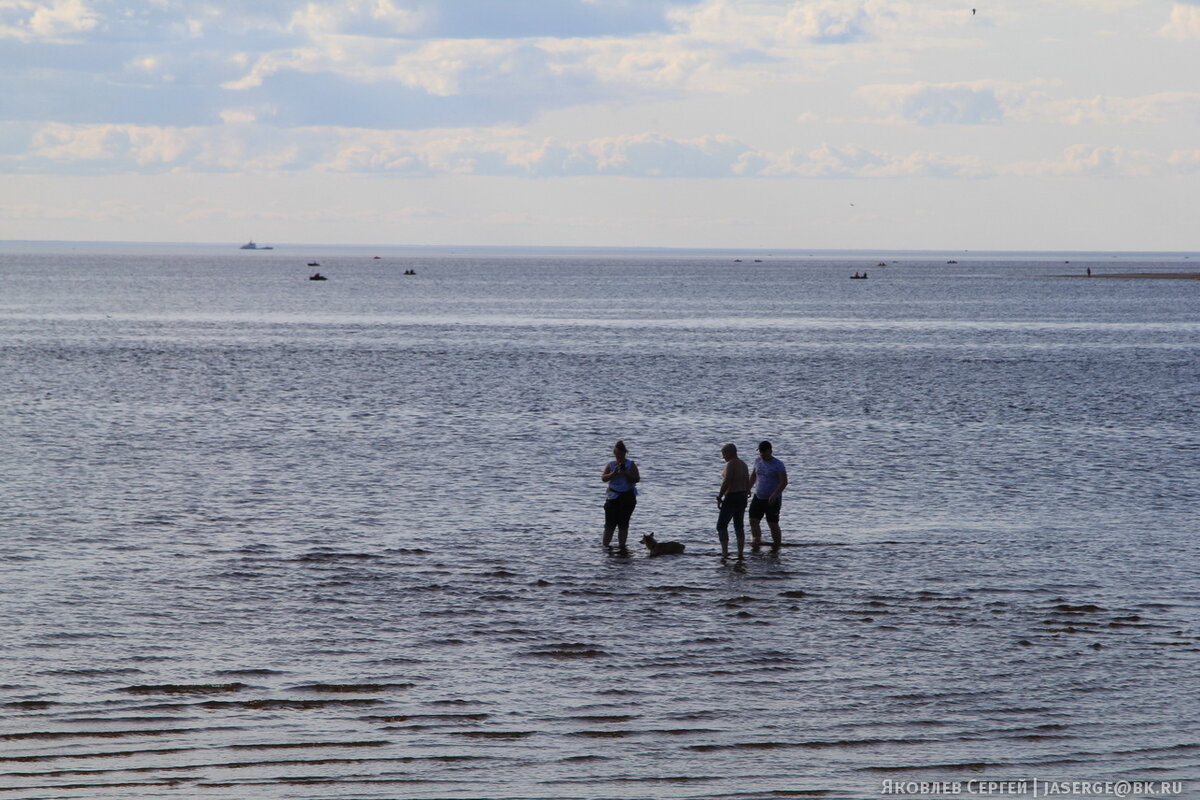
pixel 851 161
pixel 830 22
pixel 1101 110
pixel 1184 22
pixel 486 152
pixel 55 20
pixel 975 103
pixel 1185 161
pixel 1089 160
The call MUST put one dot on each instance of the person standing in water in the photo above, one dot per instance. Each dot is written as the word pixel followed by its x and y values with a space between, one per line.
pixel 621 475
pixel 731 499
pixel 770 479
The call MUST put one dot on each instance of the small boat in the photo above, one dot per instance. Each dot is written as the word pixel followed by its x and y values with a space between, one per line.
pixel 250 245
pixel 881 264
pixel 857 277
pixel 313 264
pixel 316 276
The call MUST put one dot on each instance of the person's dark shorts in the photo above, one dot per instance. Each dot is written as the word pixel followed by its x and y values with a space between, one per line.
pixel 618 510
pixel 762 507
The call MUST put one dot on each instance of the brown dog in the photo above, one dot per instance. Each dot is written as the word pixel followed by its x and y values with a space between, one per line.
pixel 661 548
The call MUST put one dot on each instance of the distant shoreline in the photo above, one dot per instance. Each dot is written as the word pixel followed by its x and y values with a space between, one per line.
pixel 1187 276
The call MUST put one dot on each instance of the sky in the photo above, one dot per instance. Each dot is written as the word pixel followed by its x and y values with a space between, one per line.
pixel 881 124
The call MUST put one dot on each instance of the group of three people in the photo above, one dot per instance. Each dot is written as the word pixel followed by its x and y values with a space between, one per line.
pixel 766 482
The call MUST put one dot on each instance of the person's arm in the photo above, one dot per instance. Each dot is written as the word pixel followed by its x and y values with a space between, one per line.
pixel 753 478
pixel 609 471
pixel 634 475
pixel 782 485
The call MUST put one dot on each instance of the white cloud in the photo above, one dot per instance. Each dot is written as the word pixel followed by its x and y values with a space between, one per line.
pixel 1106 110
pixel 54 20
pixel 1089 160
pixel 830 21
pixel 1185 161
pixel 247 147
pixel 1184 22
pixel 852 161
pixel 968 103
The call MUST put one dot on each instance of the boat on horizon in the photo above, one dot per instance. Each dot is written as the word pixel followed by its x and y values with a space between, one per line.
pixel 250 245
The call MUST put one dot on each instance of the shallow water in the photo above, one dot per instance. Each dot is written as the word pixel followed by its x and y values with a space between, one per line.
pixel 273 538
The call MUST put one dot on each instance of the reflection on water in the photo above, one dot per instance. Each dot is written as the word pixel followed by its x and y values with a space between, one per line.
pixel 278 539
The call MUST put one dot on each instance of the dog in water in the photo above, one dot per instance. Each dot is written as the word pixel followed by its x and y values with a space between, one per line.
pixel 661 548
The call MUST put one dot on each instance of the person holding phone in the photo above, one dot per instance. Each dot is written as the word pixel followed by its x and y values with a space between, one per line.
pixel 621 475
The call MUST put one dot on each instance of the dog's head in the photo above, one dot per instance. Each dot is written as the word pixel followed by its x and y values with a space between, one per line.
pixel 648 540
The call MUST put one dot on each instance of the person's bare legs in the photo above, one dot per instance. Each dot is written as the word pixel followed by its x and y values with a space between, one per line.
pixel 776 533
pixel 755 532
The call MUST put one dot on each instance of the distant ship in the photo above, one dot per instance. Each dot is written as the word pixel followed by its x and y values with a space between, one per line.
pixel 250 245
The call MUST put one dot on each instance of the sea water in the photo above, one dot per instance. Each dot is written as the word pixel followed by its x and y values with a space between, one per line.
pixel 277 538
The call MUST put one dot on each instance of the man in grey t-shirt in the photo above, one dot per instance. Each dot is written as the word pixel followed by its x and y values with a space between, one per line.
pixel 769 478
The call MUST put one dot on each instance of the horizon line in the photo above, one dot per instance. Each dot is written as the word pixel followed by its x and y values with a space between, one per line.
pixel 791 251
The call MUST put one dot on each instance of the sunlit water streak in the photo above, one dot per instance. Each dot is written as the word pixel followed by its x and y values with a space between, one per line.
pixel 272 538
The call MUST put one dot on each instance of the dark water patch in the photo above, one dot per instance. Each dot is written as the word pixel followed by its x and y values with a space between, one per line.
pixel 68 637
pixel 29 705
pixel 159 751
pixel 818 744
pixel 677 589
pixel 492 734
pixel 277 704
pixel 966 766
pixel 250 673
pixel 777 793
pixel 60 735
pixel 448 718
pixel 351 688
pixel 183 688
pixel 72 787
pixel 604 717
pixel 582 759
pixel 567 650
pixel 605 734
pixel 1087 608
pixel 592 593
pixel 90 673
pixel 305 780
pixel 668 779
pixel 687 716
pixel 120 720
pixel 224 765
pixel 326 556
pixel 500 573
pixel 307 745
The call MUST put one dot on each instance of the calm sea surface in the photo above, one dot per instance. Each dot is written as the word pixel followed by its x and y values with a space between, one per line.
pixel 270 538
